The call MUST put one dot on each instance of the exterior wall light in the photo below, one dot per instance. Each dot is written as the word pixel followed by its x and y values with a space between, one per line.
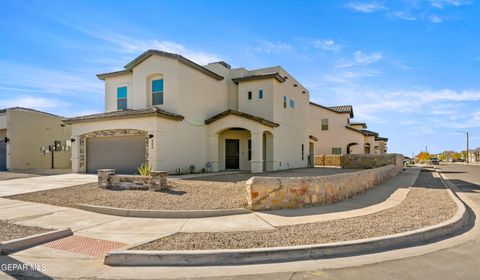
pixel 150 136
pixel 6 139
pixel 72 140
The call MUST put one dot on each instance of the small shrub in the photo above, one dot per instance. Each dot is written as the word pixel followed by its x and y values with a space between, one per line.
pixel 144 169
pixel 192 169
pixel 178 171
pixel 204 170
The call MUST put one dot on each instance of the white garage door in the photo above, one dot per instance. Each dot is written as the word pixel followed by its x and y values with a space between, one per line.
pixel 124 153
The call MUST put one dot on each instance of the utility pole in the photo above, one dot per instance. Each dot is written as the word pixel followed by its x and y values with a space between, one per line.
pixel 467 148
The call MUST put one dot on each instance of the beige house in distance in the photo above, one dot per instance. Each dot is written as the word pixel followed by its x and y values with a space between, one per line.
pixel 337 134
pixel 31 139
pixel 172 113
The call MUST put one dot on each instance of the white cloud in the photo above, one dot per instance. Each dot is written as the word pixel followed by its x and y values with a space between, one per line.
pixel 28 78
pixel 360 58
pixel 268 47
pixel 327 44
pixel 435 19
pixel 366 7
pixel 34 102
pixel 404 16
pixel 440 4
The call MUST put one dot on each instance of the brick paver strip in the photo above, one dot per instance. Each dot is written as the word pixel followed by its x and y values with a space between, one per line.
pixel 85 245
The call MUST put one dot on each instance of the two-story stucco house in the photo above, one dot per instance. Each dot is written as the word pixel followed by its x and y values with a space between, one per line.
pixel 172 113
pixel 337 134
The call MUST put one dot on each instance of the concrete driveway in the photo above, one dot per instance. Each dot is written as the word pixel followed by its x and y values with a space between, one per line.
pixel 40 183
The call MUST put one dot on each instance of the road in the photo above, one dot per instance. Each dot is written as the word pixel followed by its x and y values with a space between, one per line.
pixel 460 262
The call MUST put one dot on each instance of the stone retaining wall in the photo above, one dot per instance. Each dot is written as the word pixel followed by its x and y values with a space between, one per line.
pixel 267 193
pixel 107 179
pixel 360 161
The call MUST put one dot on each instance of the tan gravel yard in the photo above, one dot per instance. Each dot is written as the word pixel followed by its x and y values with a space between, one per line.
pixel 183 194
pixel 10 231
pixel 428 203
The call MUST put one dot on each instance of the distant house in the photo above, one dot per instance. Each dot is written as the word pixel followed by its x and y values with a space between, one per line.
pixel 31 139
pixel 339 135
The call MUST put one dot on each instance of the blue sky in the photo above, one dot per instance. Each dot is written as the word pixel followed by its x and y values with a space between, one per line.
pixel 411 69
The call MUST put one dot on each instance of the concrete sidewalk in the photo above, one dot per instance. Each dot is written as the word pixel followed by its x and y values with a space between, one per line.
pixel 61 263
pixel 41 183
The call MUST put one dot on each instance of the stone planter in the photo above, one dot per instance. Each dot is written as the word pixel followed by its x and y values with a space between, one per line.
pixel 107 179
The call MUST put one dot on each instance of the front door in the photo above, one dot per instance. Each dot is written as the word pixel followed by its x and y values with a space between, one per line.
pixel 232 159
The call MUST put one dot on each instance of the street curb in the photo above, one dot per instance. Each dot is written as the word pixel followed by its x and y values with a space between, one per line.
pixel 293 253
pixel 176 214
pixel 19 244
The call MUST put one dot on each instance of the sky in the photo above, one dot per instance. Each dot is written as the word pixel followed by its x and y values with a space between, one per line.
pixel 411 69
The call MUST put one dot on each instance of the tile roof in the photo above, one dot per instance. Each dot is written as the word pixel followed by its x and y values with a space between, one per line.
pixel 275 75
pixel 343 109
pixel 148 53
pixel 381 139
pixel 369 133
pixel 129 113
pixel 364 125
pixel 243 115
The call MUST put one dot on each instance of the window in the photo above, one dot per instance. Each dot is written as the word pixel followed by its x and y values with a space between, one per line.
pixel 284 102
pixel 260 94
pixel 249 149
pixel 303 152
pixel 121 98
pixel 324 124
pixel 292 103
pixel 249 95
pixel 157 92
pixel 336 151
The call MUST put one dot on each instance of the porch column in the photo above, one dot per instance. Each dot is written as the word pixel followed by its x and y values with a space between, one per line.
pixel 269 152
pixel 212 152
pixel 257 152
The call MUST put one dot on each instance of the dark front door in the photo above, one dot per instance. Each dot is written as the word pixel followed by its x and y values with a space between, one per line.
pixel 3 156
pixel 232 159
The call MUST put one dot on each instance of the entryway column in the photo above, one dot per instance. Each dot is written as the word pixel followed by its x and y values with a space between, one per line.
pixel 212 152
pixel 257 152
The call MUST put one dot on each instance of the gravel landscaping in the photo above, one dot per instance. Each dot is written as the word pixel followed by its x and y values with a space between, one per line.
pixel 216 191
pixel 10 231
pixel 428 203
pixel 182 195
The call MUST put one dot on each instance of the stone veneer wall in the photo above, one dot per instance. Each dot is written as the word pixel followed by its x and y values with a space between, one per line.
pixel 360 161
pixel 107 133
pixel 267 193
pixel 107 179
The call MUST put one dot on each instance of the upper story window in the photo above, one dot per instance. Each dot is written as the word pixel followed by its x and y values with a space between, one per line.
pixel 324 124
pixel 249 95
pixel 260 94
pixel 284 101
pixel 157 92
pixel 122 98
pixel 292 103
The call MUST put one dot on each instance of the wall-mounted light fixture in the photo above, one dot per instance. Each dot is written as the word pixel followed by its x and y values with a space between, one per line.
pixel 6 139
pixel 62 125
pixel 72 140
pixel 150 136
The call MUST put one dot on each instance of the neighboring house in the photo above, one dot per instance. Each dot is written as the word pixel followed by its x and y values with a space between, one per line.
pixel 30 139
pixel 338 135
pixel 172 113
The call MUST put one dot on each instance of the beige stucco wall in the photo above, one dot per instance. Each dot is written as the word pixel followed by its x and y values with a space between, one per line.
pixel 370 140
pixel 336 135
pixel 3 121
pixel 3 133
pixel 258 107
pixel 28 133
pixel 175 144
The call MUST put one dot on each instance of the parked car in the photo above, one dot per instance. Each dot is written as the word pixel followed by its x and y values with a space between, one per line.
pixel 435 161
